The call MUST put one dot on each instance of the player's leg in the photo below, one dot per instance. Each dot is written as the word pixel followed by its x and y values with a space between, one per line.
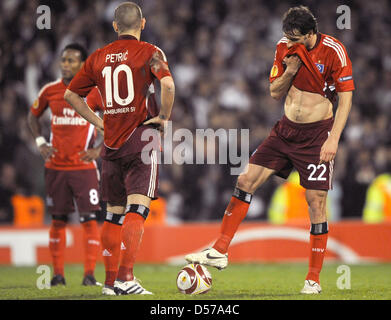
pixel 141 182
pixel 269 158
pixel 114 193
pixel 317 180
pixel 85 189
pixel 91 244
pixel 57 242
pixel 59 201
pixel 317 201
pixel 247 183
pixel 131 234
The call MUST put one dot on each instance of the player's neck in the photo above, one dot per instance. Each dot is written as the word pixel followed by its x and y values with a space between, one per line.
pixel 313 41
pixel 66 81
pixel 131 33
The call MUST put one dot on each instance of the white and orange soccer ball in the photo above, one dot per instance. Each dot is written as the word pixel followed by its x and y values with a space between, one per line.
pixel 193 279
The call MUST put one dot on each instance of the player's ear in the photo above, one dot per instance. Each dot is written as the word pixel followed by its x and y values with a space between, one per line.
pixel 143 22
pixel 115 26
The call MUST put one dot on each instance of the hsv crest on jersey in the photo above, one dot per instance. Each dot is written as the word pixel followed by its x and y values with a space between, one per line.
pixel 320 67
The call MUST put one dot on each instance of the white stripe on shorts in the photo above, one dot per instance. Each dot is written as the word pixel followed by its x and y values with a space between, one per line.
pixel 152 178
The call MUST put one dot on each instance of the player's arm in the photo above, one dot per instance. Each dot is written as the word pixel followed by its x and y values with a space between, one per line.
pixel 81 85
pixel 93 153
pixel 82 108
pixel 342 74
pixel 45 149
pixel 160 69
pixel 167 101
pixel 35 112
pixel 280 86
pixel 329 148
pixel 95 102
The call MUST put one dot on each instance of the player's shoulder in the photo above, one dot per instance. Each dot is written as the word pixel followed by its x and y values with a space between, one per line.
pixel 154 48
pixel 51 87
pixel 331 42
pixel 335 47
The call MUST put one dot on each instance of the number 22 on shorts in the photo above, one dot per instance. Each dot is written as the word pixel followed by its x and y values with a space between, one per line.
pixel 320 170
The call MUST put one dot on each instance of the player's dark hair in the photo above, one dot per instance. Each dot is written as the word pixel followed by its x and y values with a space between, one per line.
pixel 128 16
pixel 300 19
pixel 78 47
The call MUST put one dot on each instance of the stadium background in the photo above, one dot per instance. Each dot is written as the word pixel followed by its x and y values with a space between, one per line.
pixel 220 53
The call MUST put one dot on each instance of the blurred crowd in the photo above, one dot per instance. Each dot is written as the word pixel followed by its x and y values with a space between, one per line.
pixel 220 53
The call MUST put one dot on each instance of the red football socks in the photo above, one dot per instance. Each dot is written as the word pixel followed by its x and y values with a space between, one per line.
pixel 131 235
pixel 318 244
pixel 57 241
pixel 233 216
pixel 111 243
pixel 91 245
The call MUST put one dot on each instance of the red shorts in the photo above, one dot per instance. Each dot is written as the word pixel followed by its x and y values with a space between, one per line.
pixel 63 187
pixel 129 175
pixel 296 145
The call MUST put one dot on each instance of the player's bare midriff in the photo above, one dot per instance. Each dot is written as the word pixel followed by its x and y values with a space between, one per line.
pixel 305 107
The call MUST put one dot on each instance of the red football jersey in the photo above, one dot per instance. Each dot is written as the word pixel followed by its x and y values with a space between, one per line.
pixel 70 133
pixel 330 57
pixel 124 71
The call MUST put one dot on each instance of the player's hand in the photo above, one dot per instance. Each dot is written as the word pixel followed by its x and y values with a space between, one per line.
pixel 328 150
pixel 158 122
pixel 293 64
pixel 90 154
pixel 47 151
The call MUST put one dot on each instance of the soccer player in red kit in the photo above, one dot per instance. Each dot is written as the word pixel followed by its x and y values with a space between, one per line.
pixel 124 72
pixel 311 69
pixel 70 169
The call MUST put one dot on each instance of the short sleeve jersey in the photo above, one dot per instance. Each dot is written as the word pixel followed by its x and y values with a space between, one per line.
pixel 123 71
pixel 70 133
pixel 329 56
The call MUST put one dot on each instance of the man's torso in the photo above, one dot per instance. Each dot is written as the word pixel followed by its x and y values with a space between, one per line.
pixel 70 133
pixel 303 104
pixel 123 76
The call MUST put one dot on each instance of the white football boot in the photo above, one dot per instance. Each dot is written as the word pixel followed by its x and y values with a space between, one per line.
pixel 311 287
pixel 129 287
pixel 209 257
pixel 108 291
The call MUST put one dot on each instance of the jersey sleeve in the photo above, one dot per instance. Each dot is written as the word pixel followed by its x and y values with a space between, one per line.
pixel 40 104
pixel 158 64
pixel 278 67
pixel 84 81
pixel 94 100
pixel 342 71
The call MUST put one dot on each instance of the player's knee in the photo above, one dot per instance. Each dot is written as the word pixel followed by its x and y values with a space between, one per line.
pixel 245 183
pixel 59 221
pixel 316 200
pixel 86 217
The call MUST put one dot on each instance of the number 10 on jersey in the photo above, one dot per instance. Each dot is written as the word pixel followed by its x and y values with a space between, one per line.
pixel 112 88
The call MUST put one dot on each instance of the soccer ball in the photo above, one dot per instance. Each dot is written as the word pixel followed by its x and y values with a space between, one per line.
pixel 194 279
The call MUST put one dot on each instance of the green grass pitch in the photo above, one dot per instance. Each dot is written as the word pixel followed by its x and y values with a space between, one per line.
pixel 237 282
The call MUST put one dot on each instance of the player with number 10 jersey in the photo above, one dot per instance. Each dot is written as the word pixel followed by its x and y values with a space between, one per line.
pixel 124 71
